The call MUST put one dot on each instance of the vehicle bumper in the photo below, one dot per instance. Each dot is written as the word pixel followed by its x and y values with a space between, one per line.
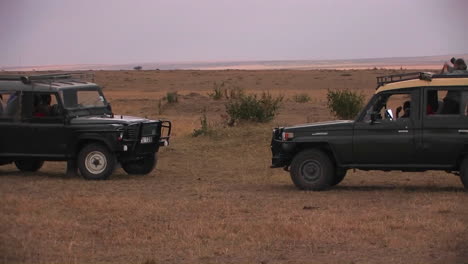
pixel 147 142
pixel 281 150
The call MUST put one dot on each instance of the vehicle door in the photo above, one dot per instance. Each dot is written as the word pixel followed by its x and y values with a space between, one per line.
pixel 42 111
pixel 445 122
pixel 384 135
pixel 13 132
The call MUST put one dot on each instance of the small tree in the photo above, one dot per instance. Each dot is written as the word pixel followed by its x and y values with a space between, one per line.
pixel 344 104
pixel 137 68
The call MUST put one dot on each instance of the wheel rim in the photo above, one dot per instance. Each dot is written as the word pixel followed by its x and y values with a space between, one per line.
pixel 96 162
pixel 311 170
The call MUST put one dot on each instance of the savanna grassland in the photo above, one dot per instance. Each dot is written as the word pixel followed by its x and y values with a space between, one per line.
pixel 214 199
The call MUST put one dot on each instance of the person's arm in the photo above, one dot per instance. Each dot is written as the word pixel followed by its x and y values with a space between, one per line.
pixel 398 110
pixel 447 68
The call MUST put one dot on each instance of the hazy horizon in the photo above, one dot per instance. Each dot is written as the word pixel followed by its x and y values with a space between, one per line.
pixel 65 32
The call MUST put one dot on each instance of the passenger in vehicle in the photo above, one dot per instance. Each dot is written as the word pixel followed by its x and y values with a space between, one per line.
pixel 459 67
pixel 42 105
pixel 1 105
pixel 432 103
pixel 12 104
pixel 406 110
pixel 451 104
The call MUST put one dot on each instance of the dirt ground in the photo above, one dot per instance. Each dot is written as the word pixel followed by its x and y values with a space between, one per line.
pixel 214 199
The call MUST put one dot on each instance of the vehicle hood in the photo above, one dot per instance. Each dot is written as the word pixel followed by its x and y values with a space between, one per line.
pixel 117 119
pixel 322 126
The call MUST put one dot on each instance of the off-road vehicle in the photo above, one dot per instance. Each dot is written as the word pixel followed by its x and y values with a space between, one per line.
pixel 65 117
pixel 414 122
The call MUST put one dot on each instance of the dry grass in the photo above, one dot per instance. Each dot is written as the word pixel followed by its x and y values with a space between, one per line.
pixel 213 199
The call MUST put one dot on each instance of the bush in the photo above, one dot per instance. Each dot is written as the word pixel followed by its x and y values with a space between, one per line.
pixel 172 97
pixel 218 90
pixel 251 108
pixel 345 104
pixel 204 129
pixel 137 68
pixel 301 98
pixel 234 93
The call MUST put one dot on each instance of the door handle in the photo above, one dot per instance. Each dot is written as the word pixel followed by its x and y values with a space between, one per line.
pixel 403 131
pixel 463 131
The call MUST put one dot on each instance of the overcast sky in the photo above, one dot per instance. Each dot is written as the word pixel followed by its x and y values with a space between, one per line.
pixel 47 32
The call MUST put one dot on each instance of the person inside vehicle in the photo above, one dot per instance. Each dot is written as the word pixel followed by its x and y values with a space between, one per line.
pixel 451 105
pixel 1 104
pixel 432 103
pixel 12 104
pixel 42 105
pixel 459 67
pixel 406 110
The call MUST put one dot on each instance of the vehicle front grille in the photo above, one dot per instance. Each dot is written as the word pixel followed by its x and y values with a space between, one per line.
pixel 132 132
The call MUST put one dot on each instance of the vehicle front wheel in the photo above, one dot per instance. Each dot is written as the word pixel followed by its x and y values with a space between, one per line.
pixel 142 166
pixel 96 162
pixel 340 173
pixel 29 165
pixel 464 172
pixel 312 170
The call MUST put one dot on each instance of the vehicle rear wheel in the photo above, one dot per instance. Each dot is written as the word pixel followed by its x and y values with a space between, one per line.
pixel 142 166
pixel 312 170
pixel 464 172
pixel 29 165
pixel 96 162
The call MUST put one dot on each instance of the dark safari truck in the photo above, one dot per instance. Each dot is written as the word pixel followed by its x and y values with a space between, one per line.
pixel 63 117
pixel 414 122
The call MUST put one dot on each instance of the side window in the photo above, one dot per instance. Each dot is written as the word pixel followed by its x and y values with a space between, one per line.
pixel 391 107
pixel 9 105
pixel 443 102
pixel 44 105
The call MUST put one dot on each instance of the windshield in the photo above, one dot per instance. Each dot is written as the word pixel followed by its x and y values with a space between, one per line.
pixel 82 98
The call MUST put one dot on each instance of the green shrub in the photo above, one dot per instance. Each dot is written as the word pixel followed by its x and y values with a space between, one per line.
pixel 301 98
pixel 218 91
pixel 172 97
pixel 234 93
pixel 344 104
pixel 252 108
pixel 204 129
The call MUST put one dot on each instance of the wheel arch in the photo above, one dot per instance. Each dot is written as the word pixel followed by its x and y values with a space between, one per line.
pixel 325 147
pixel 91 139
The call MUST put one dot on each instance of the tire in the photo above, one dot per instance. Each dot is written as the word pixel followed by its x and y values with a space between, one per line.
pixel 340 173
pixel 312 170
pixel 142 166
pixel 29 165
pixel 464 172
pixel 96 162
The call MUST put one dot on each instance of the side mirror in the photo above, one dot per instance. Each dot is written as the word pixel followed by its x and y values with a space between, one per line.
pixel 389 114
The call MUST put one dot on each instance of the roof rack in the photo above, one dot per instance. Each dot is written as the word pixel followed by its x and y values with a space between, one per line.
pixel 382 80
pixel 27 79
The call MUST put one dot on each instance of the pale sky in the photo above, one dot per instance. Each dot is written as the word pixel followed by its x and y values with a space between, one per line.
pixel 48 32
